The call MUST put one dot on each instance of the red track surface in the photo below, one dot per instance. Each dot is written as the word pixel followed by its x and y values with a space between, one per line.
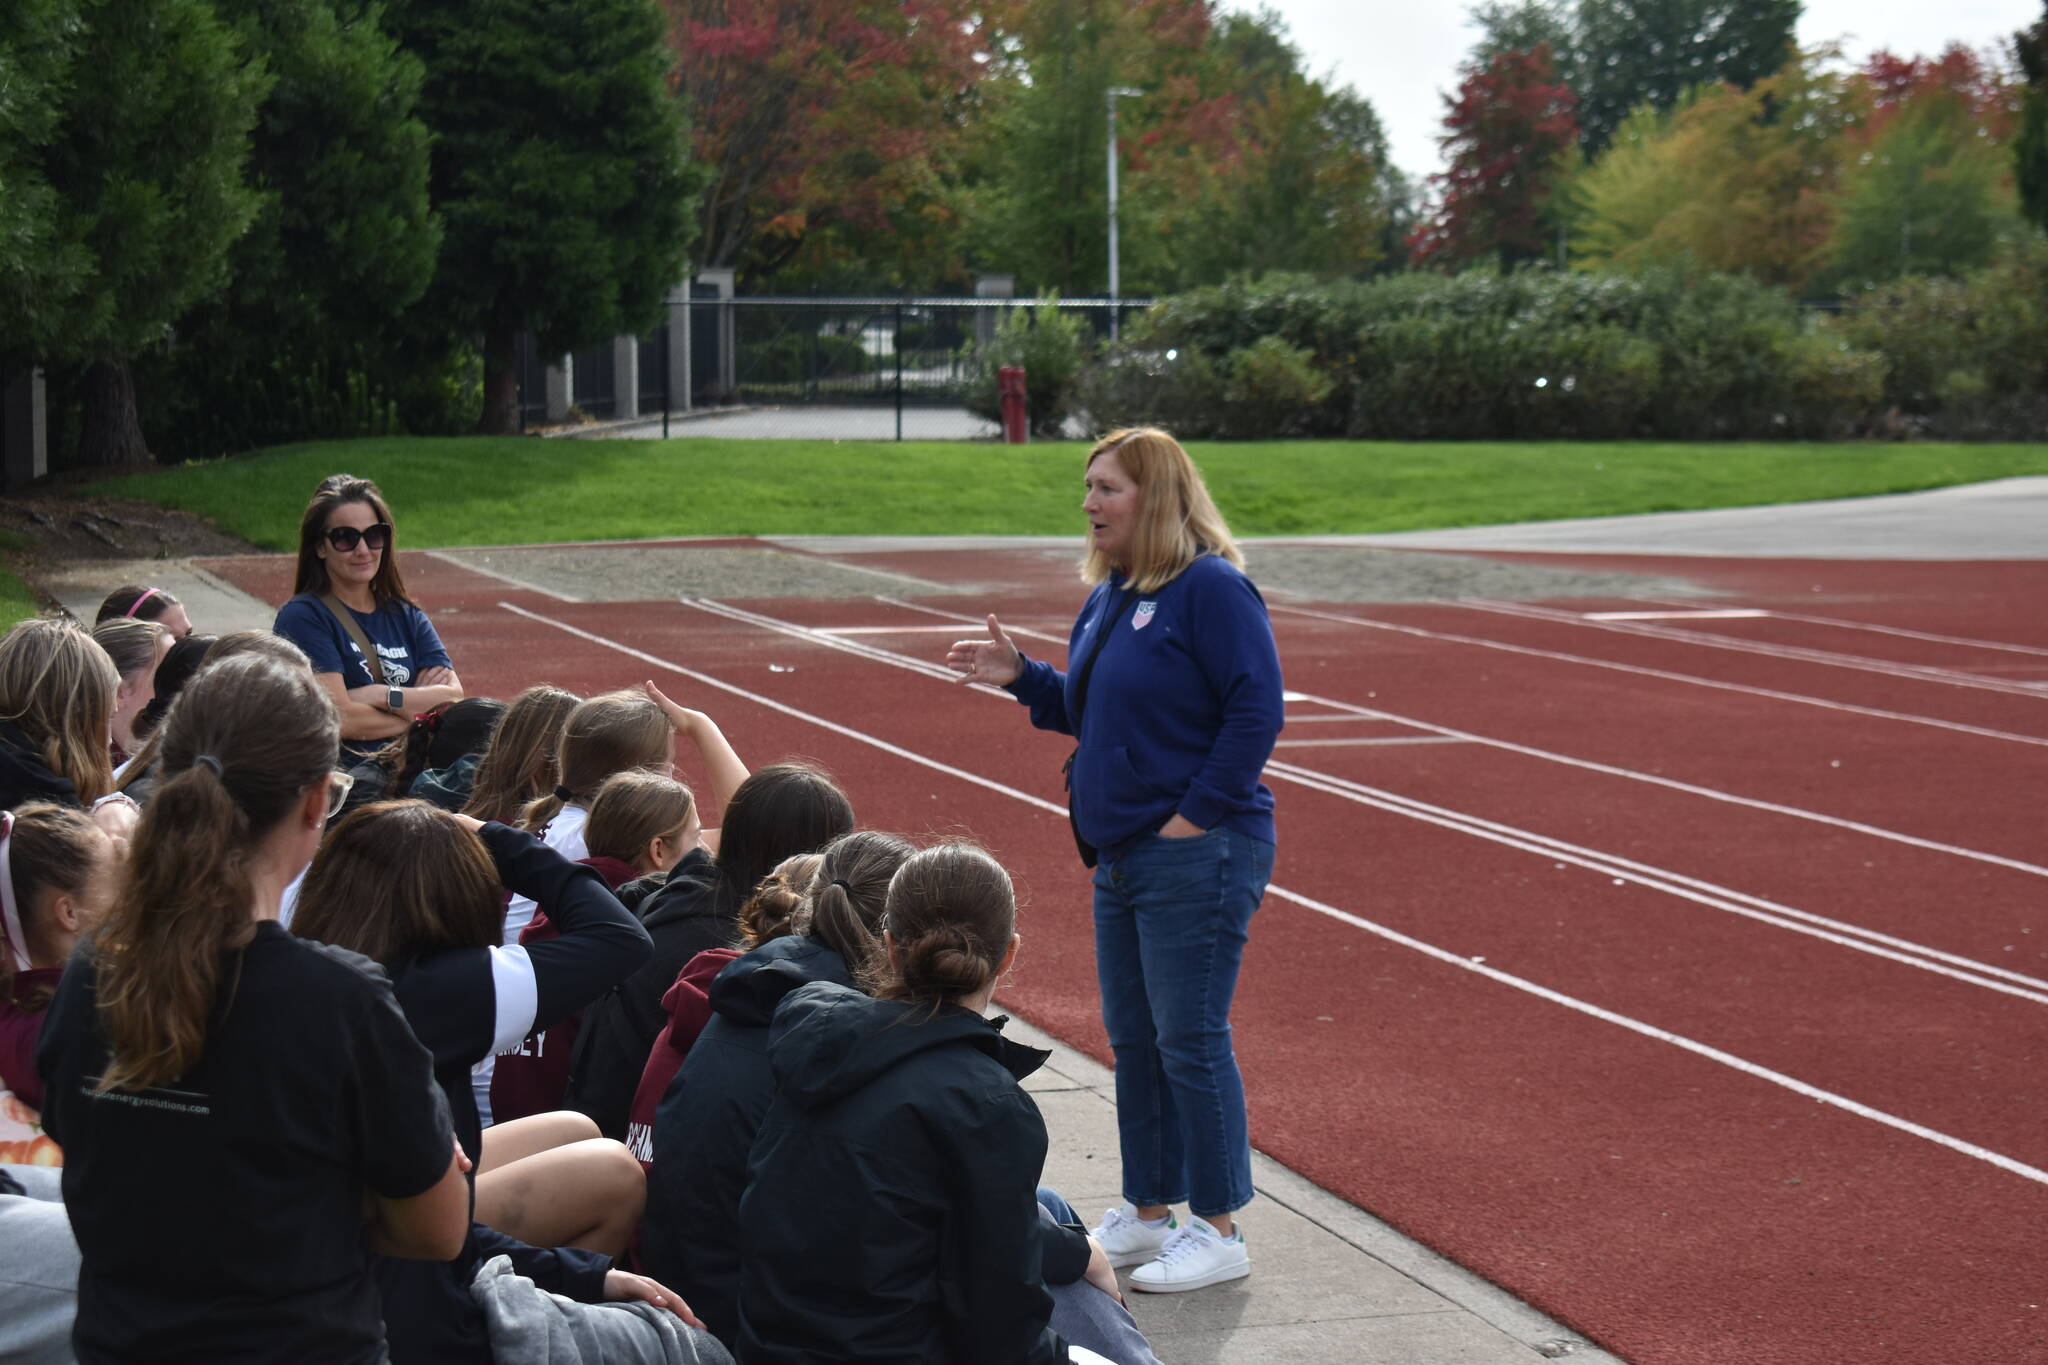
pixel 1687 1177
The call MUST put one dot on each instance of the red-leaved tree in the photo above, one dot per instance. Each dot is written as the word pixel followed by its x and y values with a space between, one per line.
pixel 820 116
pixel 1507 132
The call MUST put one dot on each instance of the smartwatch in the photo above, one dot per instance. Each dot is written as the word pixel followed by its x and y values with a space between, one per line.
pixel 394 699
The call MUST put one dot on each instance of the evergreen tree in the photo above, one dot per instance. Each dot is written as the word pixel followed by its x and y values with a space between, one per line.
pixel 304 337
pixel 144 168
pixel 559 170
pixel 2030 145
pixel 38 274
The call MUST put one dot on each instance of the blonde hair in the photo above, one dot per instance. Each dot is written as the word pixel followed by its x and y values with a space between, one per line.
pixel 58 686
pixel 1177 520
pixel 614 733
pixel 631 810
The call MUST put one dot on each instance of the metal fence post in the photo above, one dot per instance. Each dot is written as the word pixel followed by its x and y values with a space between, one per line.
pixel 899 369
pixel 668 326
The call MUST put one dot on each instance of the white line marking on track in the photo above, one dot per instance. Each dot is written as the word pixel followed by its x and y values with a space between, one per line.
pixel 449 558
pixel 1430 950
pixel 1928 636
pixel 886 630
pixel 1640 670
pixel 1677 884
pixel 1360 740
pixel 1367 713
pixel 1947 677
pixel 1717 614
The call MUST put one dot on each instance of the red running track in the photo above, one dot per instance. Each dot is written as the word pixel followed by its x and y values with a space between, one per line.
pixel 1693 993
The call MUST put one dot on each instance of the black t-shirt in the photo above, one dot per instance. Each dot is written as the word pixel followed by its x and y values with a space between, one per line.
pixel 220 1217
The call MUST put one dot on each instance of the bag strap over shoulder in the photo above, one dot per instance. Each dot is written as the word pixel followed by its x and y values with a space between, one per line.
pixel 355 632
pixel 1095 648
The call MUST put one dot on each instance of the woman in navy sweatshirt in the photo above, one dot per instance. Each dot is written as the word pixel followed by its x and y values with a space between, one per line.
pixel 1173 695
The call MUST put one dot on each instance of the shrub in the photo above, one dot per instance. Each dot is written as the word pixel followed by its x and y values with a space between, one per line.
pixel 1273 388
pixel 1051 346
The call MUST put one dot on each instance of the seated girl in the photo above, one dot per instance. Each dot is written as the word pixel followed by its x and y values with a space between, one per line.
pixel 440 765
pixel 709 1112
pixel 136 648
pixel 59 869
pixel 519 764
pixel 57 692
pixel 783 810
pixel 641 825
pixel 235 1104
pixel 899 1127
pixel 145 604
pixel 419 891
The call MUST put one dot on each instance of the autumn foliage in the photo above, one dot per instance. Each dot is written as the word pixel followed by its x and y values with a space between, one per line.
pixel 1509 128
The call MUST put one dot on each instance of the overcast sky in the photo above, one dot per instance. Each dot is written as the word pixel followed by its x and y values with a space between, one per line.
pixel 1403 54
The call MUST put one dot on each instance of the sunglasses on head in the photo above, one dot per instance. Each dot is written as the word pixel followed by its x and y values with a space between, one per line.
pixel 346 538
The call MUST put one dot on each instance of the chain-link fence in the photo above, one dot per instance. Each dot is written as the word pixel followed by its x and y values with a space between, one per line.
pixel 874 368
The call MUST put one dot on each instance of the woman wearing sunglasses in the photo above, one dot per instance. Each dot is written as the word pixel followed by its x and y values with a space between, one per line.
pixel 350 593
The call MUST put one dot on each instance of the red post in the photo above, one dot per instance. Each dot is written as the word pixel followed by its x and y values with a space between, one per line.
pixel 1010 385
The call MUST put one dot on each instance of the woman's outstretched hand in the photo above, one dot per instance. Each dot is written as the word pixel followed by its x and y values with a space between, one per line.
pixel 995 661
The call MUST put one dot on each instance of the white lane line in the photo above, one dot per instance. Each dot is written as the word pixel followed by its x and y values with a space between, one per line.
pixel 1947 677
pixel 1728 1059
pixel 773 705
pixel 886 630
pixel 1678 884
pixel 1716 614
pixel 1369 713
pixel 1481 642
pixel 1929 637
pixel 1365 741
pixel 447 557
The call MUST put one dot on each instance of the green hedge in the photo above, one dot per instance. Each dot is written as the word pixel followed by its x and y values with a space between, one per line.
pixel 1546 355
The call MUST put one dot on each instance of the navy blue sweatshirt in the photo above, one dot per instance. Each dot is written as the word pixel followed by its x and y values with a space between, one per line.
pixel 1183 707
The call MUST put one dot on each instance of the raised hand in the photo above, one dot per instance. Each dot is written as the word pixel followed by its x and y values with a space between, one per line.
pixel 995 661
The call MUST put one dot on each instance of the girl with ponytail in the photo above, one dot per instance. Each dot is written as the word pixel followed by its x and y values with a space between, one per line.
pixel 276 1078
pixel 899 1127
pixel 57 691
pixel 699 1105
pixel 56 878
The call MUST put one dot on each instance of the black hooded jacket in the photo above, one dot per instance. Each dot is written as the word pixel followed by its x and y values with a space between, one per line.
pixel 620 1026
pixel 24 774
pixel 890 1211
pixel 706 1126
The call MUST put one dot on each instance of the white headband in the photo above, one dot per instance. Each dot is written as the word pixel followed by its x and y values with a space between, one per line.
pixel 17 942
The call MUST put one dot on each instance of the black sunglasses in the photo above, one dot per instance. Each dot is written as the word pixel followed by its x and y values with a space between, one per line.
pixel 346 538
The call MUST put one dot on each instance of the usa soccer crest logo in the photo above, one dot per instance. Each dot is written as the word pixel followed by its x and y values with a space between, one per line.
pixel 1142 617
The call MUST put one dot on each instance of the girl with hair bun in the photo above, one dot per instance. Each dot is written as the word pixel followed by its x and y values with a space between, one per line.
pixel 699 1105
pixel 275 1077
pixel 899 1127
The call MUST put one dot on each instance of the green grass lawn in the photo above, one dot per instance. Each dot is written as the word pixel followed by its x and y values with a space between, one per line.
pixel 485 490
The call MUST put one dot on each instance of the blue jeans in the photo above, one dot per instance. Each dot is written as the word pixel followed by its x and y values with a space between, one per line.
pixel 1171 920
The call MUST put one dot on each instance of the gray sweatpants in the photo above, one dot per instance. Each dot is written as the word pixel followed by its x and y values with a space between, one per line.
pixel 38 1270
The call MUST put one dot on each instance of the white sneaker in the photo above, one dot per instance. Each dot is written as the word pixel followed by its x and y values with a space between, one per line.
pixel 1195 1259
pixel 1129 1240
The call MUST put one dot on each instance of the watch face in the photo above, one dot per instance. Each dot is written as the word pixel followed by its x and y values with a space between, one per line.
pixel 394 698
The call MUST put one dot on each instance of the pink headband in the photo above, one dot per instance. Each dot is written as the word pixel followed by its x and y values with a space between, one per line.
pixel 17 942
pixel 146 595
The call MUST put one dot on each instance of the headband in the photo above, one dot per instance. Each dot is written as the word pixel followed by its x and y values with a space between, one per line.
pixel 147 593
pixel 17 942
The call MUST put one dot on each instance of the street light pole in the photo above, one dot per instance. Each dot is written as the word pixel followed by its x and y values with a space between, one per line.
pixel 1114 282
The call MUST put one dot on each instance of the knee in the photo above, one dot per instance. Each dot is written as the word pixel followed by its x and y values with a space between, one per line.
pixel 613 1172
pixel 566 1126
